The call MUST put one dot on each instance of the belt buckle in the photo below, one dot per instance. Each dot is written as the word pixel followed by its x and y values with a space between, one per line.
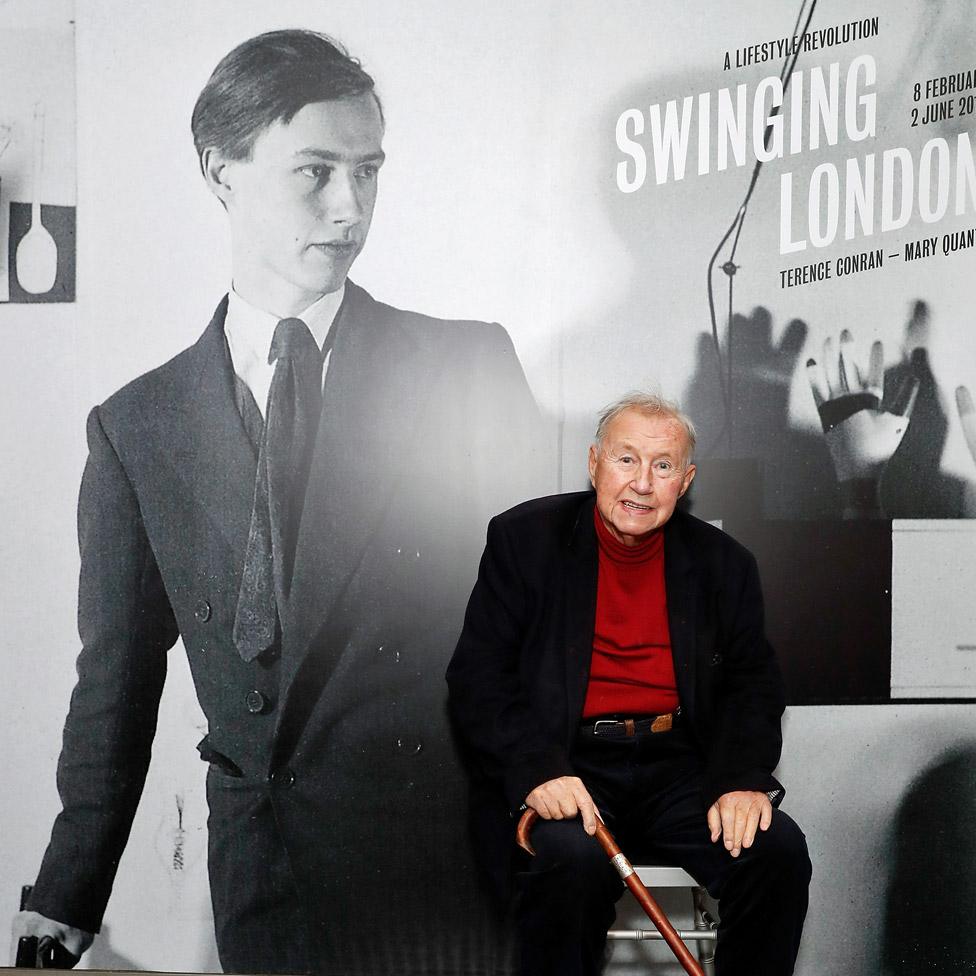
pixel 663 723
pixel 603 721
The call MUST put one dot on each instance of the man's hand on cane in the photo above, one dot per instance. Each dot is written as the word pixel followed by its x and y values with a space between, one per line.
pixel 562 799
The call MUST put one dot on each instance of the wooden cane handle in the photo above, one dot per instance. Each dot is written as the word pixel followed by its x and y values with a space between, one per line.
pixel 629 877
pixel 525 825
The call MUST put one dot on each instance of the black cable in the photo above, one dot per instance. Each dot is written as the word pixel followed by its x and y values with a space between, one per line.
pixel 729 266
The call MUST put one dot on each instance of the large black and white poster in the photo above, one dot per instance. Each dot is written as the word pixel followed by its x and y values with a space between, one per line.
pixel 766 211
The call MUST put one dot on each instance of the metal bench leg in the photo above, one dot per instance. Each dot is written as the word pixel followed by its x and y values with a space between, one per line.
pixel 704 923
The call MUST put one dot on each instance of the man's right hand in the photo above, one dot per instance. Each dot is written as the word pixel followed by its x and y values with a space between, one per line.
pixel 562 799
pixel 76 941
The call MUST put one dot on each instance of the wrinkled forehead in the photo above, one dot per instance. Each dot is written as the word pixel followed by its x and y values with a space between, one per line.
pixel 652 433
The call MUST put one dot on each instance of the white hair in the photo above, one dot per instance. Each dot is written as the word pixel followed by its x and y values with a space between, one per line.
pixel 652 405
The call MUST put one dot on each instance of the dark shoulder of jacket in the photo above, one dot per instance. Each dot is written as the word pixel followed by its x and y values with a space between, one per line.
pixel 428 328
pixel 157 390
pixel 708 541
pixel 551 513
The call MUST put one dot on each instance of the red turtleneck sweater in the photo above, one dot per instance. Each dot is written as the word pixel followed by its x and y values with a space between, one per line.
pixel 631 671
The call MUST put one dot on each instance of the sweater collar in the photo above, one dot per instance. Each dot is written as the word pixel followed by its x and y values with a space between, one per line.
pixel 645 550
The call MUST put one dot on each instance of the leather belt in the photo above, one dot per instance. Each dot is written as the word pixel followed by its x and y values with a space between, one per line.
pixel 625 728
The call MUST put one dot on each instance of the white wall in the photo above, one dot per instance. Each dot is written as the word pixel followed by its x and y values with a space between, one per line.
pixel 497 202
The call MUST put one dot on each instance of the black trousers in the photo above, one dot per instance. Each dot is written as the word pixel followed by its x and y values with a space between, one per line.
pixel 648 791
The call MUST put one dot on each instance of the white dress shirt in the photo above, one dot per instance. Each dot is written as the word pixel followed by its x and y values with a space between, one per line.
pixel 249 332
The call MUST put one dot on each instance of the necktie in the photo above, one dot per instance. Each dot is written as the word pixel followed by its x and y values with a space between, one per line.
pixel 291 422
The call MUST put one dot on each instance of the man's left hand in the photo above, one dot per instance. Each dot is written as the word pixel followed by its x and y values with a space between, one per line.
pixel 735 816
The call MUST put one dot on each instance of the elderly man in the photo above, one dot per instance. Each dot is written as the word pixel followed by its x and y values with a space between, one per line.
pixel 280 497
pixel 613 664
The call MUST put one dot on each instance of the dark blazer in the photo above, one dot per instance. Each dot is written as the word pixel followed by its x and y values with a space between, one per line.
pixel 519 674
pixel 331 762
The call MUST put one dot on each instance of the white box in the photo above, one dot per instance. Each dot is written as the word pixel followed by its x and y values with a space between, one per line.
pixel 933 613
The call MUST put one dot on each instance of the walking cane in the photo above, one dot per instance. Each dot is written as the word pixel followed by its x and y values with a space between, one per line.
pixel 629 876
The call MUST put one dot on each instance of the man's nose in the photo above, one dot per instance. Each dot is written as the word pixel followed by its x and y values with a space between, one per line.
pixel 643 481
pixel 342 200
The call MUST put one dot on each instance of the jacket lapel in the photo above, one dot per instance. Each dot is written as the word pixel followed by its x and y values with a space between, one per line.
pixel 680 585
pixel 370 403
pixel 205 441
pixel 580 593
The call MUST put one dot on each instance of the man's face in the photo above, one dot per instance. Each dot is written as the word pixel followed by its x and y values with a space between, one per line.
pixel 301 206
pixel 639 473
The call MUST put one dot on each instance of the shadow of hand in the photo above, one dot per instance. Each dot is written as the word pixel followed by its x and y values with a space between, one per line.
pixel 797 481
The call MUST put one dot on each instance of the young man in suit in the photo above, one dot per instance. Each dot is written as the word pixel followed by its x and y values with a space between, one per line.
pixel 613 664
pixel 298 497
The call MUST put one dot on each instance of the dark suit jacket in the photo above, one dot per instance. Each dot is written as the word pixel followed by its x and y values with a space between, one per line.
pixel 519 674
pixel 346 772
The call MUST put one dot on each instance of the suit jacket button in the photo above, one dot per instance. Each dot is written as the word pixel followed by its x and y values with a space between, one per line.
pixel 202 611
pixel 283 778
pixel 389 652
pixel 256 702
pixel 716 659
pixel 408 747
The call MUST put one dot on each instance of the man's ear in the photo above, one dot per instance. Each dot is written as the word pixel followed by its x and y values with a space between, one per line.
pixel 591 464
pixel 216 171
pixel 688 478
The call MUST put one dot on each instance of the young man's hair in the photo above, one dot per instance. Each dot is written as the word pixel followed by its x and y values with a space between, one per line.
pixel 270 78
